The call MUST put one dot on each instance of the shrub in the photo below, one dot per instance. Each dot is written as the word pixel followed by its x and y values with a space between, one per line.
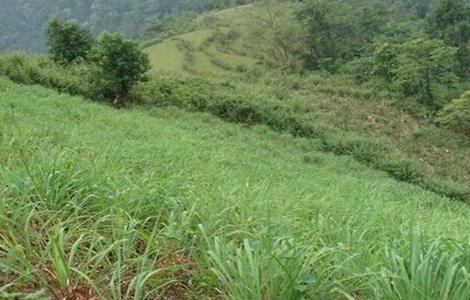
pixel 73 79
pixel 457 114
pixel 404 170
pixel 366 151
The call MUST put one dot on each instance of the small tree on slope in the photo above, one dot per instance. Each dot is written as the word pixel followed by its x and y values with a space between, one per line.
pixel 122 64
pixel 423 66
pixel 67 41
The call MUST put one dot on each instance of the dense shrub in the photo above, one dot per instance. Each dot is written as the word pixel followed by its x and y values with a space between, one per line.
pixel 404 170
pixel 457 114
pixel 74 79
pixel 366 151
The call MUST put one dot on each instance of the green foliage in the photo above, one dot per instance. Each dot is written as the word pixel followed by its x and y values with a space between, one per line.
pixel 450 22
pixel 338 30
pixel 423 66
pixel 435 271
pixel 407 171
pixel 386 61
pixel 67 41
pixel 257 105
pixel 122 65
pixel 95 204
pixel 75 79
pixel 456 114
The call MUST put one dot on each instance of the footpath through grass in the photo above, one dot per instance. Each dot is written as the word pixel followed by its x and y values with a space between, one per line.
pixel 175 205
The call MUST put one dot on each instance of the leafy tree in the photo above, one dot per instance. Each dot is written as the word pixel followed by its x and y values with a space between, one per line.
pixel 450 22
pixel 337 30
pixel 457 114
pixel 275 30
pixel 67 41
pixel 424 66
pixel 122 64
pixel 326 32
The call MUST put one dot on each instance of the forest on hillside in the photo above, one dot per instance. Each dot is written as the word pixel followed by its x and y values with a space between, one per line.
pixel 23 22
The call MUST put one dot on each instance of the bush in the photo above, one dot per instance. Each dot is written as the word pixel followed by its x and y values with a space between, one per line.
pixel 366 151
pixel 457 114
pixel 73 79
pixel 404 170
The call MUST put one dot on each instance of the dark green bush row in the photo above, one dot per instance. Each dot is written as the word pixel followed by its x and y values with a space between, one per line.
pixel 236 104
pixel 74 79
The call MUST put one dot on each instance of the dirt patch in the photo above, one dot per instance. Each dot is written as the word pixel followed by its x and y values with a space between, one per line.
pixel 179 267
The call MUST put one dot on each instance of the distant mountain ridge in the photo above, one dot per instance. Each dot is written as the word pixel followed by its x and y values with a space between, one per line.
pixel 22 22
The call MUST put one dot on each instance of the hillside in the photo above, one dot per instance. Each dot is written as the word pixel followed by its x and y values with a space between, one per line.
pixel 226 48
pixel 165 204
pixel 263 150
pixel 23 22
pixel 197 50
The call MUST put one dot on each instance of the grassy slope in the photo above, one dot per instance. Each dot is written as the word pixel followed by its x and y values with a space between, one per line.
pixel 146 203
pixel 203 56
pixel 333 100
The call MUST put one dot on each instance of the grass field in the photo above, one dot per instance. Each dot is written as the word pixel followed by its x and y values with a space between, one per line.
pixel 165 204
pixel 168 56
pixel 203 57
pixel 217 47
pixel 173 58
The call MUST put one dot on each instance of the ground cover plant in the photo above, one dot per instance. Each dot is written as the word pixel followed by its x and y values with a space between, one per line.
pixel 175 205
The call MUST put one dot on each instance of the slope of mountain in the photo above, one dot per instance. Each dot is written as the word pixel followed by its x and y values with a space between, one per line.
pixel 225 47
pixel 165 204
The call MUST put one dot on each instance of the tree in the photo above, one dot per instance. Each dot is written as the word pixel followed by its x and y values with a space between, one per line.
pixel 457 114
pixel 275 30
pixel 338 30
pixel 122 64
pixel 328 32
pixel 423 66
pixel 450 22
pixel 67 41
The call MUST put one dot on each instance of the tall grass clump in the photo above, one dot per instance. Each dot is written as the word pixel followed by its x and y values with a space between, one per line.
pixel 430 270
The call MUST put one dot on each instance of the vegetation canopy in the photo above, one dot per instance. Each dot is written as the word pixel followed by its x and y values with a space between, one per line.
pixel 67 41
